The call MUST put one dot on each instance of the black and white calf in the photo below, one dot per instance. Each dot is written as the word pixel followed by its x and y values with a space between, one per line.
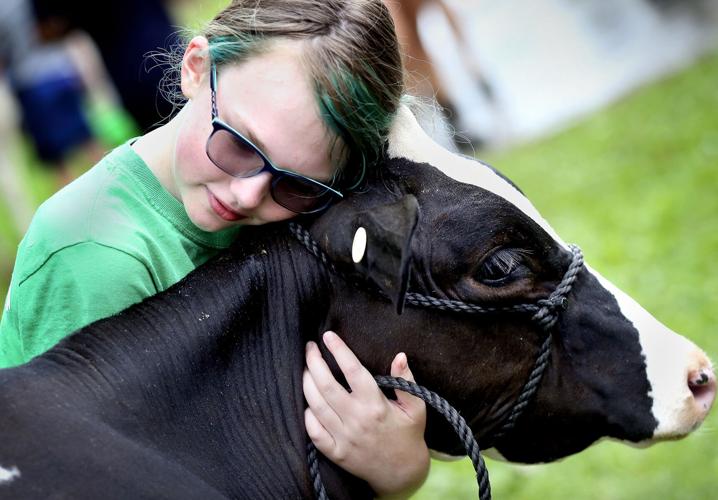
pixel 613 362
pixel 196 392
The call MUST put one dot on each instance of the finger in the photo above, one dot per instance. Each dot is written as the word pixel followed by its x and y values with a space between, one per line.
pixel 319 406
pixel 358 377
pixel 400 368
pixel 332 391
pixel 321 438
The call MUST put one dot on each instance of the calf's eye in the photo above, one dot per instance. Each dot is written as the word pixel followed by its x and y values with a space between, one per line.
pixel 501 266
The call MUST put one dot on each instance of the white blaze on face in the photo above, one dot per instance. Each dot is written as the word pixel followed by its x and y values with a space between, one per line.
pixel 8 475
pixel 669 357
pixel 408 140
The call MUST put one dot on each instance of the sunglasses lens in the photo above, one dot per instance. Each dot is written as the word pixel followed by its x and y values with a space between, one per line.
pixel 300 195
pixel 232 154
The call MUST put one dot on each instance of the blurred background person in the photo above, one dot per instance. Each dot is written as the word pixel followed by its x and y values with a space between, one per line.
pixel 125 33
pixel 48 89
pixel 421 76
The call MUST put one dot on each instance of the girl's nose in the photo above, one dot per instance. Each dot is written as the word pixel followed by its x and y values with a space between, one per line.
pixel 250 192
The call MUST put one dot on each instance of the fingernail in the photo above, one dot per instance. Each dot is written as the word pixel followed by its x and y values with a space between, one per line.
pixel 329 336
pixel 309 346
pixel 403 363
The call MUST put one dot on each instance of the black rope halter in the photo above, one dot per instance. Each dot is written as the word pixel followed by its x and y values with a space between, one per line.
pixel 544 312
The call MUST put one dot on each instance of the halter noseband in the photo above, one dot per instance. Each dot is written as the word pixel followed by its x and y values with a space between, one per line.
pixel 545 312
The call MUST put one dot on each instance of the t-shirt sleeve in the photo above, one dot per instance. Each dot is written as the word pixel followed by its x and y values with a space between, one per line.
pixel 74 287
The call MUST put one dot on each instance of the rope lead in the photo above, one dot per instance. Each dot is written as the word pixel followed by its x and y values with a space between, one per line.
pixel 462 429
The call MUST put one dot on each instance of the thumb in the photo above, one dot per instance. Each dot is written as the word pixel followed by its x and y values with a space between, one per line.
pixel 400 368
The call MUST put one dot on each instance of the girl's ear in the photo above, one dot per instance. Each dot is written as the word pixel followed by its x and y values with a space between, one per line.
pixel 195 66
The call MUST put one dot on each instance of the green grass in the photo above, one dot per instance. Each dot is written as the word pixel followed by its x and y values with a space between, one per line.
pixel 636 186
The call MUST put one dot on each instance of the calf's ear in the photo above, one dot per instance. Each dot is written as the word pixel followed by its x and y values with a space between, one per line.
pixel 387 256
pixel 375 243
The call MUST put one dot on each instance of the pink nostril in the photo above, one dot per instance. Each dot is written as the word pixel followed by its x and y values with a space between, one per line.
pixel 702 384
pixel 700 378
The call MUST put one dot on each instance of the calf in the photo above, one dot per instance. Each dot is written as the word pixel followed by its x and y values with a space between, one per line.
pixel 197 391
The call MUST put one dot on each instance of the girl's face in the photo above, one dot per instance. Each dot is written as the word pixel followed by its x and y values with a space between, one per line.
pixel 270 100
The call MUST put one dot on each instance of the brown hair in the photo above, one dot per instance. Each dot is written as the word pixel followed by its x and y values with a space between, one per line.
pixel 351 53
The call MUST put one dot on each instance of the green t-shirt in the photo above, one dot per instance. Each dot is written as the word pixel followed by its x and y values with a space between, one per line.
pixel 107 240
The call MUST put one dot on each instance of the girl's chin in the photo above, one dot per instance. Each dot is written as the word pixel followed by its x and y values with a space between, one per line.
pixel 210 223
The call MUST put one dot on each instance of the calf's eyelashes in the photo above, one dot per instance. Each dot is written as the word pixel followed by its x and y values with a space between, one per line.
pixel 502 265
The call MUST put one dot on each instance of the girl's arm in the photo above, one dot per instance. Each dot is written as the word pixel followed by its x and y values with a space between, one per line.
pixel 72 288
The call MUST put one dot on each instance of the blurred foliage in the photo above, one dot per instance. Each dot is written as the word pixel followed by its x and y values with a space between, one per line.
pixel 635 185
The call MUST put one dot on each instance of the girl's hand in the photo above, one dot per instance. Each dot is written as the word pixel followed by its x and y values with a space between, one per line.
pixel 367 434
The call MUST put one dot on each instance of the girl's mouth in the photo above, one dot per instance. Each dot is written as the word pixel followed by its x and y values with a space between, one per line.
pixel 222 210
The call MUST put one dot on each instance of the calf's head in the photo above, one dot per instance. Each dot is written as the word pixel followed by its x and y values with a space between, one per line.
pixel 449 227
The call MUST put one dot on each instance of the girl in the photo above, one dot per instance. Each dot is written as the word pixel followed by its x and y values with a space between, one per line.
pixel 288 103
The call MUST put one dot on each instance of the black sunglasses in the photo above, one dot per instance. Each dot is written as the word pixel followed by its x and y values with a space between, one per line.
pixel 239 157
